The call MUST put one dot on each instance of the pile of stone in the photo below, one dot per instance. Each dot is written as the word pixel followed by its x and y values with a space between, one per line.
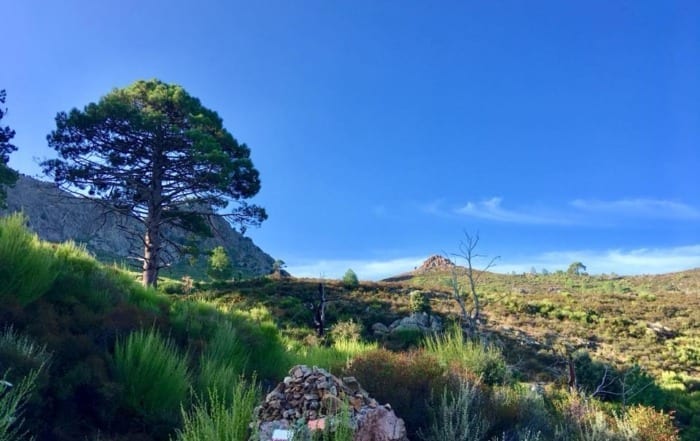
pixel 311 397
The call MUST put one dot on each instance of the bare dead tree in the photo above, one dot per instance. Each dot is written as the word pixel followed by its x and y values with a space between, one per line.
pixel 471 315
pixel 318 306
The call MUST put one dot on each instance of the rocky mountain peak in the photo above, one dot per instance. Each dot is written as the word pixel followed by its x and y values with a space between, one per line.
pixel 435 263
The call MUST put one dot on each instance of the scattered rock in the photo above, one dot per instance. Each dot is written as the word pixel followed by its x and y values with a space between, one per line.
pixel 380 329
pixel 662 331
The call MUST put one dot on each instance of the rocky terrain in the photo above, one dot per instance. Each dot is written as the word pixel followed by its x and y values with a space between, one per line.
pixel 57 216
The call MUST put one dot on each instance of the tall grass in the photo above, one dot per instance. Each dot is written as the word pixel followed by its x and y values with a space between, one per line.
pixel 258 331
pixel 333 358
pixel 20 353
pixel 213 419
pixel 12 400
pixel 27 266
pixel 483 360
pixel 223 362
pixel 155 376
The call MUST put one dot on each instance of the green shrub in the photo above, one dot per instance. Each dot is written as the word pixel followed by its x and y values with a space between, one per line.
pixel 12 401
pixel 520 410
pixel 153 373
pixel 219 265
pixel 458 416
pixel 350 279
pixel 406 380
pixel 651 424
pixel 483 360
pixel 418 302
pixel 401 339
pixel 346 330
pixel 215 419
pixel 27 266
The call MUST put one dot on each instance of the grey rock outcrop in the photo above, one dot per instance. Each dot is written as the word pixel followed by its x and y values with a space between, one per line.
pixel 419 321
pixel 57 216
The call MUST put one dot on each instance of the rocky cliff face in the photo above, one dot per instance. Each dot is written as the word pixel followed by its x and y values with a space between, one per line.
pixel 57 216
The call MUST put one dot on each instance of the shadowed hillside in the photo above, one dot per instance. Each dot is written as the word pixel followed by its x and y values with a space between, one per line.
pixel 57 216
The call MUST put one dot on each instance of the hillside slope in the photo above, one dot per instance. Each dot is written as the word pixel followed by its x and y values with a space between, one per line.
pixel 56 216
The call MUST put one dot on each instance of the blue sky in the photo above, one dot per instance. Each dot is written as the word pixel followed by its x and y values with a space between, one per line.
pixel 560 131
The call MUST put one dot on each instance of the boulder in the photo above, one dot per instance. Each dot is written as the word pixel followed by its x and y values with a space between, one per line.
pixel 380 424
pixel 419 321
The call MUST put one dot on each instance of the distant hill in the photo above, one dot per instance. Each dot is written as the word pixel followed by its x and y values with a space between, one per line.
pixel 57 216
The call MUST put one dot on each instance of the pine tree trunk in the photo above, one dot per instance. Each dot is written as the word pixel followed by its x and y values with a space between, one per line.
pixel 151 255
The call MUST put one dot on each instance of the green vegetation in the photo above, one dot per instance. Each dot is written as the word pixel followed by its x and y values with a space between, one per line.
pixel 483 360
pixel 154 374
pixel 27 268
pixel 459 416
pixel 350 279
pixel 7 175
pixel 110 359
pixel 219 264
pixel 12 401
pixel 218 419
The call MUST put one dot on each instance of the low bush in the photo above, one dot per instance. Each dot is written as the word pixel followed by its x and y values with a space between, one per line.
pixel 404 380
pixel 346 330
pixel 154 375
pixel 651 424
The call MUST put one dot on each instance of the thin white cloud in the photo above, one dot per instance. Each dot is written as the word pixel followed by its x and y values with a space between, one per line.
pixel 625 262
pixel 491 209
pixel 640 207
pixel 577 212
pixel 365 269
